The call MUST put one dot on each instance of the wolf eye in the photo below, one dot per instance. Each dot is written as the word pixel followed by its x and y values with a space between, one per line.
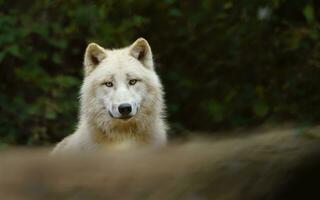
pixel 108 84
pixel 133 81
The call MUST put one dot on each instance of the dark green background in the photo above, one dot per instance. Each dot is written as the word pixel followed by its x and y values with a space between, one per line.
pixel 224 63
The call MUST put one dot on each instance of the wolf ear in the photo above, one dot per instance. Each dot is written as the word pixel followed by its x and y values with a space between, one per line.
pixel 93 56
pixel 141 50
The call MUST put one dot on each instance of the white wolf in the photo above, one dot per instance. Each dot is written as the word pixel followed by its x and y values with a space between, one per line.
pixel 121 101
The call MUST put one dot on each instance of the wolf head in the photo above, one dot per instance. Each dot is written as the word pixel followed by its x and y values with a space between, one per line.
pixel 120 86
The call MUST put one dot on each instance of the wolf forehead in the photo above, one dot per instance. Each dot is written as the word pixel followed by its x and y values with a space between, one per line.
pixel 132 62
pixel 113 67
pixel 118 73
pixel 138 56
pixel 120 59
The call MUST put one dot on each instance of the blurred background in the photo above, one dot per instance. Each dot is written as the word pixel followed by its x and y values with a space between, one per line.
pixel 224 64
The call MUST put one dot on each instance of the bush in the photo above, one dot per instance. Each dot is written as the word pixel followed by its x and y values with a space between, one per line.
pixel 223 63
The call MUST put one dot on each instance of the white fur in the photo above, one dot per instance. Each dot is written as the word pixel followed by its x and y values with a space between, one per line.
pixel 99 126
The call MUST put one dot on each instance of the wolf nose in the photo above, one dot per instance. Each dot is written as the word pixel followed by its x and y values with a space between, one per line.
pixel 124 109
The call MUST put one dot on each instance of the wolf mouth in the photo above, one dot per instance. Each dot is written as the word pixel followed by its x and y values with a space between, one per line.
pixel 126 117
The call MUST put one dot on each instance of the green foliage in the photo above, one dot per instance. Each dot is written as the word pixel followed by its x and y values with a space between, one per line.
pixel 223 63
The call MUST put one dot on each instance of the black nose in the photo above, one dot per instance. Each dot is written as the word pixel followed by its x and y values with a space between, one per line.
pixel 124 109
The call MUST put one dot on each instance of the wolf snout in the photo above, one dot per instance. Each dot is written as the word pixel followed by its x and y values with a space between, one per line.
pixel 125 109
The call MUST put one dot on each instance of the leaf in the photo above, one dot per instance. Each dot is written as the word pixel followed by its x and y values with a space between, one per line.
pixel 228 5
pixel 14 50
pixel 51 114
pixel 175 12
pixel 66 81
pixel 56 58
pixel 2 55
pixel 260 109
pixel 308 13
pixel 216 110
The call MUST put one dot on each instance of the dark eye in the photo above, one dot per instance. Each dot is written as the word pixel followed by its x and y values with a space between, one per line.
pixel 133 81
pixel 108 84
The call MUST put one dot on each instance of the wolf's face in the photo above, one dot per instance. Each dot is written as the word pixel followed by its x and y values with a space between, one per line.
pixel 122 83
pixel 122 86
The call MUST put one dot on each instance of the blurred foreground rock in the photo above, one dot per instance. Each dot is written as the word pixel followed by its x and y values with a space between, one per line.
pixel 271 165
